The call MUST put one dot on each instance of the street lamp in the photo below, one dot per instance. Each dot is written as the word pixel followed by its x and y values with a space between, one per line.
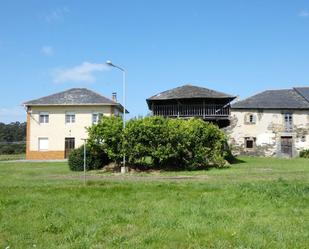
pixel 124 169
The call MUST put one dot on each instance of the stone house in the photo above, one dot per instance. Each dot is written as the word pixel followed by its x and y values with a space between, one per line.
pixel 57 123
pixel 271 123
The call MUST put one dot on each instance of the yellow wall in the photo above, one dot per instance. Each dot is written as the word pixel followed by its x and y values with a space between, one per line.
pixel 57 129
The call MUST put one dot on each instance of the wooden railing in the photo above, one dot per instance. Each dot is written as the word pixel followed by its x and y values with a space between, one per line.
pixel 191 110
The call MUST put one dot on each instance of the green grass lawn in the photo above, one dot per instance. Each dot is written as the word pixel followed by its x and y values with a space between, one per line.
pixel 12 157
pixel 260 203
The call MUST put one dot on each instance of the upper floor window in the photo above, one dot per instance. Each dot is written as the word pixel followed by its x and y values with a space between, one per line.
pixel 44 117
pixel 250 118
pixel 288 121
pixel 96 117
pixel 70 117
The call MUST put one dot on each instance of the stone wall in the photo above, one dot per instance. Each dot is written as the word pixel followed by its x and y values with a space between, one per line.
pixel 267 129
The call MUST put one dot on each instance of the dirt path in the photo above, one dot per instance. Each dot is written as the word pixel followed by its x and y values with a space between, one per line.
pixel 132 177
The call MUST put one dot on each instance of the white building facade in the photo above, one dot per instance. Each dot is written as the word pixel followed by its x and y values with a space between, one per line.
pixel 272 123
pixel 58 123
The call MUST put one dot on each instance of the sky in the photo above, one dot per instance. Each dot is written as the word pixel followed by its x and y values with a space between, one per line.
pixel 238 47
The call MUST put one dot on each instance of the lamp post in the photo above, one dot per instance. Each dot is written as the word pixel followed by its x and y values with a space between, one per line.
pixel 85 142
pixel 124 169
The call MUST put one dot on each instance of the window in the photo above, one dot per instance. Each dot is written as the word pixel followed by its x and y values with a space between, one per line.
pixel 96 117
pixel 70 117
pixel 44 117
pixel 303 138
pixel 288 121
pixel 250 118
pixel 43 144
pixel 250 142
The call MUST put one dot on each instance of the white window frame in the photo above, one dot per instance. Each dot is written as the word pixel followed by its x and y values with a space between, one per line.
pixel 250 118
pixel 45 117
pixel 46 148
pixel 99 116
pixel 70 117
pixel 288 121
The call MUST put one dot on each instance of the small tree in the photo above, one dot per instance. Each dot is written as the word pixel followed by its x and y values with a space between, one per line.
pixel 107 135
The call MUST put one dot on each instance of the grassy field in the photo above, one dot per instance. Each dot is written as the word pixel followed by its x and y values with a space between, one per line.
pixel 12 157
pixel 259 203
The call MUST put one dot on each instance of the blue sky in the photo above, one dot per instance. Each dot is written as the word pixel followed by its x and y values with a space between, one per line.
pixel 238 47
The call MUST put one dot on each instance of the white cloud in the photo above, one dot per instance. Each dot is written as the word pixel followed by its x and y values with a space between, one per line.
pixel 81 73
pixel 12 114
pixel 56 15
pixel 304 13
pixel 47 50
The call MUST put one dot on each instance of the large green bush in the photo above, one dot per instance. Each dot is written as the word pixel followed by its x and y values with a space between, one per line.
pixel 107 136
pixel 304 153
pixel 159 142
pixel 174 143
pixel 95 159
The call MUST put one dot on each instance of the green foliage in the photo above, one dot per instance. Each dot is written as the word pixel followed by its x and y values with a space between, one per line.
pixel 95 159
pixel 174 143
pixel 304 153
pixel 12 138
pixel 12 148
pixel 107 136
pixel 159 142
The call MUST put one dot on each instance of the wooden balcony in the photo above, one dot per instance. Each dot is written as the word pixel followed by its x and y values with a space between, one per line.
pixel 205 111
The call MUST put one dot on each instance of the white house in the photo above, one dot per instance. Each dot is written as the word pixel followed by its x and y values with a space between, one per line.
pixel 271 123
pixel 57 123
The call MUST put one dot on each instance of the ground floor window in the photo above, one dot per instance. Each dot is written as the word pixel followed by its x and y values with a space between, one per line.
pixel 250 142
pixel 43 144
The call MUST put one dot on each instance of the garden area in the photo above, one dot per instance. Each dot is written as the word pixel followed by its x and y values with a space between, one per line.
pixel 256 203
pixel 154 143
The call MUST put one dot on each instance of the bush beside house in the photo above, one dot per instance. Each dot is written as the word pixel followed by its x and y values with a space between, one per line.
pixel 157 142
pixel 304 153
pixel 95 159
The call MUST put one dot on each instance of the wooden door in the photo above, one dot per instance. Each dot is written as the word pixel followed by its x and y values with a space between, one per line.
pixel 69 145
pixel 287 146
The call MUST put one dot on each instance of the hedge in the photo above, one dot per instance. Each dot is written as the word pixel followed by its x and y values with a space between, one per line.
pixel 158 142
pixel 95 159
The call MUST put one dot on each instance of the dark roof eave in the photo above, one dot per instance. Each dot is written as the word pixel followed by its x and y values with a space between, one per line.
pixel 71 104
pixel 227 97
pixel 119 106
pixel 269 108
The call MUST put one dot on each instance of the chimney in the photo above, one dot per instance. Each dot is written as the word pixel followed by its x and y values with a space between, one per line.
pixel 114 96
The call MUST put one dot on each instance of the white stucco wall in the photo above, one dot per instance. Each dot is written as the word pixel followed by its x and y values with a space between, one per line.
pixel 267 130
pixel 57 129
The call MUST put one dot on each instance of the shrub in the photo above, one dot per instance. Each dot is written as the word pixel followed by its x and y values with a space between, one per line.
pixel 203 144
pixel 304 153
pixel 107 136
pixel 95 159
pixel 159 142
pixel 174 143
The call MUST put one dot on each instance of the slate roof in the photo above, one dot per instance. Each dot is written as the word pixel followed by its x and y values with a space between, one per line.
pixel 276 99
pixel 189 92
pixel 303 91
pixel 74 96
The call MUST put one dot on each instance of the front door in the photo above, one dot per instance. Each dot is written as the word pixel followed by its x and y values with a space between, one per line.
pixel 286 146
pixel 69 145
